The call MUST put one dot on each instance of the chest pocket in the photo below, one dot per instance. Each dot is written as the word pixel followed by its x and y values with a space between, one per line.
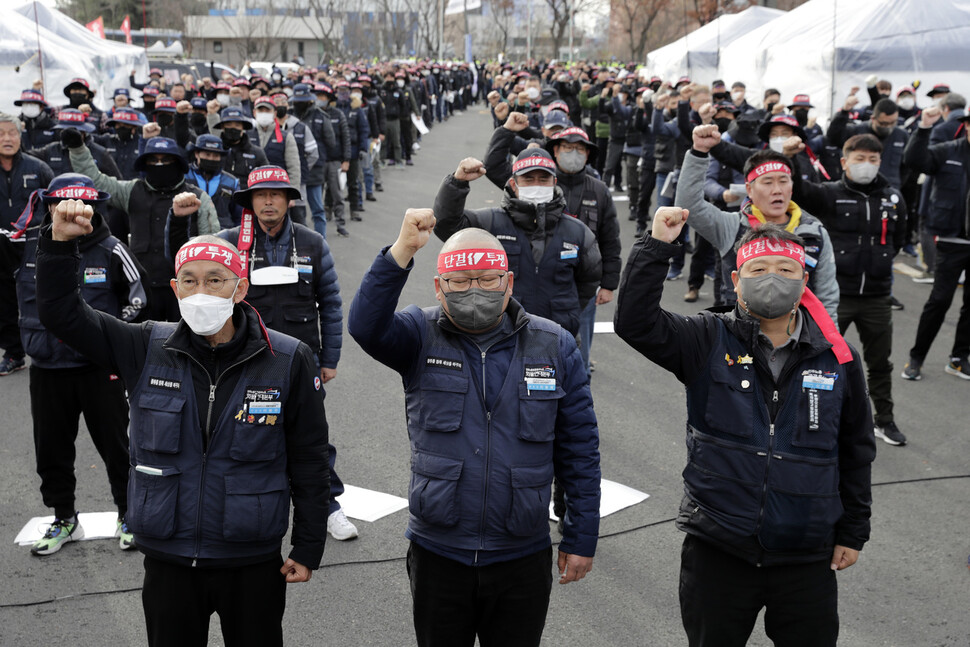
pixel 731 390
pixel 513 249
pixel 160 428
pixel 442 401
pixel 819 411
pixel 537 413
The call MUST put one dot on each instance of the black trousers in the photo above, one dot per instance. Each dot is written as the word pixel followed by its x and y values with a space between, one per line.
pixel 700 261
pixel 9 315
pixel 721 596
pixel 599 163
pixel 632 182
pixel 57 400
pixel 505 604
pixel 353 180
pixel 407 135
pixel 873 318
pixel 179 600
pixel 648 182
pixel 951 260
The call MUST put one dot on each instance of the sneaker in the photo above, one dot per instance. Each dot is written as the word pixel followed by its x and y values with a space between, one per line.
pixel 959 367
pixel 126 541
pixel 409 163
pixel 342 231
pixel 692 295
pixel 339 526
pixel 370 197
pixel 890 433
pixel 379 188
pixel 391 162
pixel 912 370
pixel 709 273
pixel 12 364
pixel 926 278
pixel 59 533
pixel 896 304
pixel 910 250
pixel 355 216
pixel 674 273
pixel 632 216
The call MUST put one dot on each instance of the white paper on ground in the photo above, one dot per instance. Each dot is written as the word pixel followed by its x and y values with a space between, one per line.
pixel 602 326
pixel 613 498
pixel 369 505
pixel 96 525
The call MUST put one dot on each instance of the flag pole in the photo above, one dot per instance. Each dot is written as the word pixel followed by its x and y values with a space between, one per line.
pixel 40 55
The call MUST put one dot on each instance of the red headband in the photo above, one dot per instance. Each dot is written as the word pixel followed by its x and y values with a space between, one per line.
pixel 210 252
pixel 767 167
pixel 472 259
pixel 764 247
pixel 536 161
pixel 74 193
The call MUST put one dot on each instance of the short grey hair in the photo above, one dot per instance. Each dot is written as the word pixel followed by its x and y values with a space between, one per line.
pixel 10 119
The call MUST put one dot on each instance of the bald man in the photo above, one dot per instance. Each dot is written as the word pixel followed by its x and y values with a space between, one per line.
pixel 497 405
pixel 211 473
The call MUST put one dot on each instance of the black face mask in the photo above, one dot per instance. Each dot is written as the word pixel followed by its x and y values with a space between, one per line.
pixel 281 112
pixel 149 105
pixel 210 167
pixel 197 121
pixel 165 176
pixel 165 119
pixel 723 123
pixel 124 134
pixel 769 107
pixel 231 136
pixel 721 96
pixel 78 98
pixel 801 116
pixel 301 107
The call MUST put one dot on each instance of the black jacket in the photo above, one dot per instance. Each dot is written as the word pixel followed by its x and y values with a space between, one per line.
pixel 27 175
pixel 949 164
pixel 867 226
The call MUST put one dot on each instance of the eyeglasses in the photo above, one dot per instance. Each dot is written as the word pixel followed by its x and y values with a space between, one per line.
pixel 462 284
pixel 212 284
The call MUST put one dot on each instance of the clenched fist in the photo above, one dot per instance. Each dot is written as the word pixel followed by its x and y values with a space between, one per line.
pixel 415 233
pixel 668 223
pixel 150 130
pixel 469 170
pixel 185 204
pixel 517 122
pixel 706 138
pixel 71 219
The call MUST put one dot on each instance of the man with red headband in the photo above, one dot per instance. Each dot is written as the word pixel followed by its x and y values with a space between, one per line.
pixel 777 488
pixel 768 184
pixel 497 405
pixel 227 426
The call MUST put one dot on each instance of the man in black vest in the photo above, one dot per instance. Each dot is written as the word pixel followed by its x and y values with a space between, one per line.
pixel 779 431
pixel 65 384
pixel 207 174
pixel 227 426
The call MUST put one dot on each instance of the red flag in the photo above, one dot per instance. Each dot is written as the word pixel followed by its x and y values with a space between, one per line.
pixel 96 27
pixel 126 29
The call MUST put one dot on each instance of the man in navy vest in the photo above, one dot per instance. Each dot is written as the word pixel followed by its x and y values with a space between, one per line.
pixel 227 426
pixel 65 384
pixel 777 488
pixel 497 405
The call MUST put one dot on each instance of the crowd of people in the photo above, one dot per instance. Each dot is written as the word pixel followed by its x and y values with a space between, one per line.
pixel 171 259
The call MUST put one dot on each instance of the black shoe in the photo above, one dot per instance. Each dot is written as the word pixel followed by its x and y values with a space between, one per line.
pixel 379 188
pixel 895 304
pixel 890 433
pixel 912 370
pixel 371 198
pixel 640 230
pixel 409 163
pixel 355 216
pixel 342 231
pixel 633 216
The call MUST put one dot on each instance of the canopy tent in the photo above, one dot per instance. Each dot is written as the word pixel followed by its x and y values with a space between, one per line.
pixel 824 47
pixel 698 53
pixel 69 51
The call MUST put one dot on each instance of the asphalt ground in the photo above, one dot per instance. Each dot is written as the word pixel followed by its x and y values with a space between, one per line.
pixel 911 586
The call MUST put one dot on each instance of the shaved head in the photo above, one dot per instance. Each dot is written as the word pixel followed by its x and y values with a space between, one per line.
pixel 471 238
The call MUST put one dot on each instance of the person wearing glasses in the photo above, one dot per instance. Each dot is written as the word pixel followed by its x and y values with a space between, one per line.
pixel 498 404
pixel 227 427
pixel 555 257
pixel 148 202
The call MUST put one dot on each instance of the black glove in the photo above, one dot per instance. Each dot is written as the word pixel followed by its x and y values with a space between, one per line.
pixel 72 138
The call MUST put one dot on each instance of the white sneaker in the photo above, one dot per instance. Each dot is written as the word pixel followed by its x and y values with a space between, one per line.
pixel 339 526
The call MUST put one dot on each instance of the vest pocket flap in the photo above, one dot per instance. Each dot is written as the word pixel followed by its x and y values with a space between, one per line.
pixel 153 493
pixel 457 383
pixel 256 483
pixel 161 402
pixel 299 315
pixel 532 475
pixel 439 467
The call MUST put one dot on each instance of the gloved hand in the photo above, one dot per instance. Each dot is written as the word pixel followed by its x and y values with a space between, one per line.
pixel 72 138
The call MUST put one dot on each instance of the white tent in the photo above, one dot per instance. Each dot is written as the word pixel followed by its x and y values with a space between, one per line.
pixel 824 47
pixel 69 50
pixel 697 54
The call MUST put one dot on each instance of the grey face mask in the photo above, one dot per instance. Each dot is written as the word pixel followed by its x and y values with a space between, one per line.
pixel 571 161
pixel 770 296
pixel 475 309
pixel 863 172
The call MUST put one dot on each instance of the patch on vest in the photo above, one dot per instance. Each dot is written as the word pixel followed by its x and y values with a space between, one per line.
pixel 95 275
pixel 539 371
pixel 162 383
pixel 453 364
pixel 262 401
pixel 505 237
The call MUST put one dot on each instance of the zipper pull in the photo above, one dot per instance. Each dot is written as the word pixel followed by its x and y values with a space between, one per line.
pixel 774 396
pixel 212 393
pixel 771 429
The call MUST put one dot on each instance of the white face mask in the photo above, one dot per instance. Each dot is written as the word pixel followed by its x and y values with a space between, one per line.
pixel 288 92
pixel 31 110
pixel 400 83
pixel 532 93
pixel 264 118
pixel 863 172
pixel 536 194
pixel 906 103
pixel 777 144
pixel 206 314
pixel 223 99
pixel 737 95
